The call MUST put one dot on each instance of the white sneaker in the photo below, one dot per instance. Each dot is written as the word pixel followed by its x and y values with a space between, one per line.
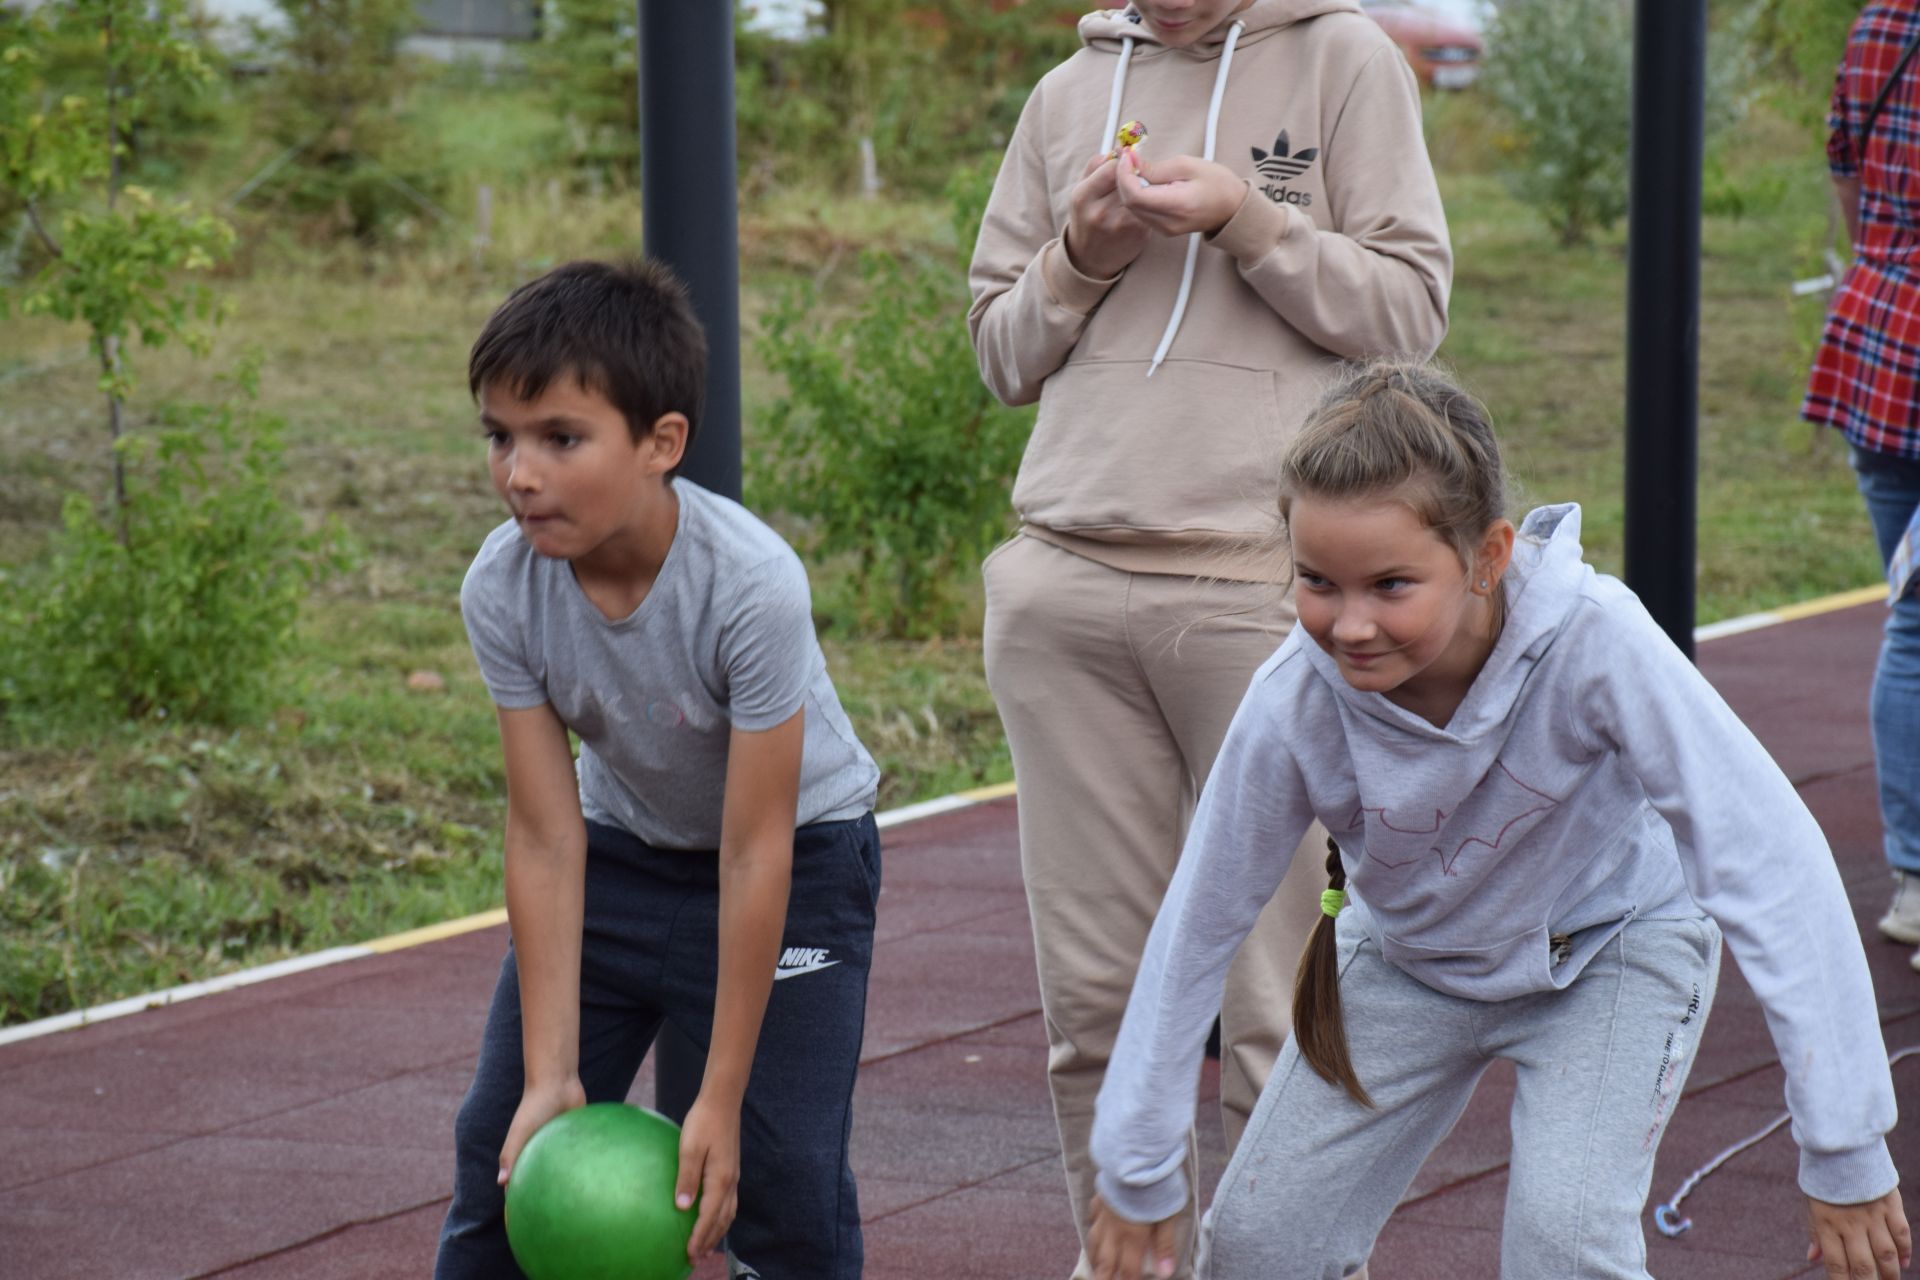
pixel 1902 921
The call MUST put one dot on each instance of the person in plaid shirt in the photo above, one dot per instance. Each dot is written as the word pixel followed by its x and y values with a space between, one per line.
pixel 1866 382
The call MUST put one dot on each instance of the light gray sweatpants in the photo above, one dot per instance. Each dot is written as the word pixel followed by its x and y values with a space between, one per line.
pixel 1599 1064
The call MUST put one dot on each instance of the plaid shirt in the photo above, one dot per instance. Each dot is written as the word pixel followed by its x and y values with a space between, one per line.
pixel 1866 377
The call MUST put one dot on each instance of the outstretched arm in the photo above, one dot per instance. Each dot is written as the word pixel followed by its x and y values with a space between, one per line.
pixel 756 872
pixel 1756 861
pixel 1250 818
pixel 546 860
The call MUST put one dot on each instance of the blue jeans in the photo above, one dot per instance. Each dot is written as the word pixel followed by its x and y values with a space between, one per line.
pixel 649 954
pixel 1891 486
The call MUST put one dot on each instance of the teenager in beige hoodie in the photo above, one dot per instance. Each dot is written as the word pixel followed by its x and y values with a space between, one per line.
pixel 1173 311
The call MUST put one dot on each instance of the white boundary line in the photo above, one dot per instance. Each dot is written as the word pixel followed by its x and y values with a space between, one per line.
pixel 393 942
pixel 891 818
pixel 177 995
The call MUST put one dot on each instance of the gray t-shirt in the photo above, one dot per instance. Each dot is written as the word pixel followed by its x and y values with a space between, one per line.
pixel 723 641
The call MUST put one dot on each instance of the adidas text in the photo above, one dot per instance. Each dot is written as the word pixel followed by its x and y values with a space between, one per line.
pixel 1282 195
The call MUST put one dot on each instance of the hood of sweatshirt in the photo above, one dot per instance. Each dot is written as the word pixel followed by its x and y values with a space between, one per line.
pixel 1258 21
pixel 1168 392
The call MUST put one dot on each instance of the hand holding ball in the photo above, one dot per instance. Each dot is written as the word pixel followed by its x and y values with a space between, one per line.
pixel 591 1198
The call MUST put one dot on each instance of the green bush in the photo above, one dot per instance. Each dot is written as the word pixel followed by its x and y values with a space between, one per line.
pixel 179 608
pixel 1562 73
pixel 1804 39
pixel 351 164
pixel 588 59
pixel 888 445
pixel 933 84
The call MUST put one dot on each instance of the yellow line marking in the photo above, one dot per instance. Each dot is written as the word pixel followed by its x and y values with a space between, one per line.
pixel 998 791
pixel 435 932
pixel 1832 603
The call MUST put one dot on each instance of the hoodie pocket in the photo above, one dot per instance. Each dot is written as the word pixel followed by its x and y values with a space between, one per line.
pixel 1541 959
pixel 1193 448
pixel 1500 970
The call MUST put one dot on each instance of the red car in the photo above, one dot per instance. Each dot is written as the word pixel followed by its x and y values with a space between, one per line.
pixel 1444 51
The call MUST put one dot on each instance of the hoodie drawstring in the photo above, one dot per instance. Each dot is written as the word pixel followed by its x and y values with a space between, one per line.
pixel 1113 100
pixel 1193 240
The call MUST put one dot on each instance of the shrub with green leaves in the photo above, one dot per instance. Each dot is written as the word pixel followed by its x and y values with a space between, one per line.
pixel 887 444
pixel 335 101
pixel 1562 73
pixel 183 604
pixel 1805 38
pixel 932 84
pixel 589 57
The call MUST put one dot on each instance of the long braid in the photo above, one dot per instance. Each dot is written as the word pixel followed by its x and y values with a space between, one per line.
pixel 1318 1023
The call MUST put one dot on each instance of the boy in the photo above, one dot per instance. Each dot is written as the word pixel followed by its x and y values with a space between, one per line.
pixel 716 834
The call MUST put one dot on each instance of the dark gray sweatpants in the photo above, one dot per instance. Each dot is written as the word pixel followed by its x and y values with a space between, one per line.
pixel 650 954
pixel 1599 1066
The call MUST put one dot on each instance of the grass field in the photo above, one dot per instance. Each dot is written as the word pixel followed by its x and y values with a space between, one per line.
pixel 361 806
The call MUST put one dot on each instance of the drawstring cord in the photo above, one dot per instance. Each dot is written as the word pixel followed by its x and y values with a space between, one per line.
pixel 1213 129
pixel 1667 1216
pixel 1113 100
pixel 1193 240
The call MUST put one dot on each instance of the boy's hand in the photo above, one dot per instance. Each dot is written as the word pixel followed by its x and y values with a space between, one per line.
pixel 1102 238
pixel 1860 1240
pixel 1118 1248
pixel 1185 194
pixel 538 1104
pixel 709 1169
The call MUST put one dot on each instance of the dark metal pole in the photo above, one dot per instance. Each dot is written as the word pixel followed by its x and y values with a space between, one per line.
pixel 687 201
pixel 1663 308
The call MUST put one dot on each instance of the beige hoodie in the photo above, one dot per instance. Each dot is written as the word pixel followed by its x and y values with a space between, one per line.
pixel 1338 250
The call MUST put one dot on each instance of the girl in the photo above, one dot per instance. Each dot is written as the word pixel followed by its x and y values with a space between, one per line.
pixel 1547 817
pixel 1173 314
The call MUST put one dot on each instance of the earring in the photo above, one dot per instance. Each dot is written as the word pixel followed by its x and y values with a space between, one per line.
pixel 1483 584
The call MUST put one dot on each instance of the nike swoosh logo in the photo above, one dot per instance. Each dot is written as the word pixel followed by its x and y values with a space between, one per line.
pixel 805 968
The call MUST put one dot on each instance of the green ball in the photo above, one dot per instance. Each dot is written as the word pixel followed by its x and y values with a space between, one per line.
pixel 591 1198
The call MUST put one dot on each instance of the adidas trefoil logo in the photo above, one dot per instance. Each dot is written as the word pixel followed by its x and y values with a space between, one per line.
pixel 1283 165
pixel 795 961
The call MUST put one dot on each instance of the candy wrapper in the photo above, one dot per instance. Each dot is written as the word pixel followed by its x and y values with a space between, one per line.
pixel 1131 134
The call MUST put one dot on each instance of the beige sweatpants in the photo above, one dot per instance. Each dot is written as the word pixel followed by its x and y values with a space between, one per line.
pixel 1116 690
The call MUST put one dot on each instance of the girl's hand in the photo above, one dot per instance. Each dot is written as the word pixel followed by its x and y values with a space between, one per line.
pixel 1185 194
pixel 1103 238
pixel 539 1103
pixel 709 1169
pixel 1854 1240
pixel 1118 1248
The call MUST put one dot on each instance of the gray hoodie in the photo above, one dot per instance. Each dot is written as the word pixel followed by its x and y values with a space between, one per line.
pixel 1591 776
pixel 1339 248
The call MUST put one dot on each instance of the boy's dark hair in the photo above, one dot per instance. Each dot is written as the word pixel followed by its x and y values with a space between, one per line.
pixel 623 329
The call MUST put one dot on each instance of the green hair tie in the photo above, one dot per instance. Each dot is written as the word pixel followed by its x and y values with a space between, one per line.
pixel 1331 900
